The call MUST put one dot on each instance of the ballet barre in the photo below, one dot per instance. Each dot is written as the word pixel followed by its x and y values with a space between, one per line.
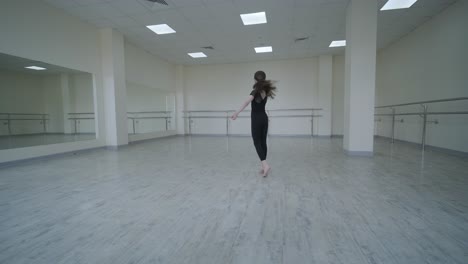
pixel 424 114
pixel 77 117
pixel 43 118
pixel 135 118
pixel 227 115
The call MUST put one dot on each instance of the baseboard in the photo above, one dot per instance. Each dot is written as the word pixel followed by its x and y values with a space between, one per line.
pixel 290 135
pixel 248 135
pixel 48 133
pixel 24 135
pixel 46 157
pixel 207 135
pixel 323 136
pixel 428 147
pixel 359 153
pixel 337 136
pixel 113 148
pixel 152 139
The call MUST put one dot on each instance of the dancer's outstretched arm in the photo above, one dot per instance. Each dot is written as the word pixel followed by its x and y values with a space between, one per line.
pixel 244 105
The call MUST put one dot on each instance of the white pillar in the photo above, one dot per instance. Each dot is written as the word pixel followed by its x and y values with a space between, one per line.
pixel 115 91
pixel 180 100
pixel 325 82
pixel 66 103
pixel 360 61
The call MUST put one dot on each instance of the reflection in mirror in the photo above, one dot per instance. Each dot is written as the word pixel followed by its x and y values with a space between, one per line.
pixel 149 109
pixel 43 104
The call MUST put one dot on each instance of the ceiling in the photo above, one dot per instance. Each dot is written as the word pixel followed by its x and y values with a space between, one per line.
pixel 17 64
pixel 217 23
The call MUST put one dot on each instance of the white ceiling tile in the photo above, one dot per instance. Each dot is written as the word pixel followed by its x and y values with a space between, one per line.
pixel 129 7
pixel 210 2
pixel 171 17
pixel 64 4
pixel 313 3
pixel 91 2
pixel 195 13
pixel 101 22
pixel 217 22
pixel 102 10
pixel 156 6
pixel 182 3
pixel 246 6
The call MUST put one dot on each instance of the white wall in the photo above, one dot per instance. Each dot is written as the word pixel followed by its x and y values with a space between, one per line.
pixel 180 103
pixel 150 80
pixel 360 68
pixel 52 100
pixel 429 63
pixel 338 96
pixel 148 70
pixel 114 87
pixel 81 95
pixel 58 39
pixel 226 86
pixel 21 93
pixel 142 98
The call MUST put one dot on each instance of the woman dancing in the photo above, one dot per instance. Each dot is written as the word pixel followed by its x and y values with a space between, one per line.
pixel 262 89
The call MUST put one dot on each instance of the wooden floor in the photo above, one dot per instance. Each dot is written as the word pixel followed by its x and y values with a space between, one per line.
pixel 200 200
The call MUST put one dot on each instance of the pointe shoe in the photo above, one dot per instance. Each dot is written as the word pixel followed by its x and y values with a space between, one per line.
pixel 265 172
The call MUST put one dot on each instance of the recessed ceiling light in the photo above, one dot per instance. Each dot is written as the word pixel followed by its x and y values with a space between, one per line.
pixel 253 18
pixel 263 49
pixel 398 4
pixel 161 29
pixel 197 55
pixel 37 68
pixel 337 43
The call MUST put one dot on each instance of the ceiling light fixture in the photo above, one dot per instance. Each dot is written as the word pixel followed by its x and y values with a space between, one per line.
pixel 197 55
pixel 254 18
pixel 161 29
pixel 337 43
pixel 398 4
pixel 37 68
pixel 263 49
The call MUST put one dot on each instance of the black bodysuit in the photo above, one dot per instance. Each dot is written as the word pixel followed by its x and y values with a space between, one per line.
pixel 259 124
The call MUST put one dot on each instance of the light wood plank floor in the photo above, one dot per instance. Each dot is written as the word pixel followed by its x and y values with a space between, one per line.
pixel 201 200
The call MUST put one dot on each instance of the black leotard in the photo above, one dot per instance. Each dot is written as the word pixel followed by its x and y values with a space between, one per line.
pixel 259 123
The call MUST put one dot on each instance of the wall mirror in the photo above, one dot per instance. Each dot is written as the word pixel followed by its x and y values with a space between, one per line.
pixel 42 104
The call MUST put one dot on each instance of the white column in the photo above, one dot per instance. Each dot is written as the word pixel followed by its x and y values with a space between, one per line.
pixel 66 103
pixel 325 82
pixel 180 100
pixel 360 61
pixel 115 91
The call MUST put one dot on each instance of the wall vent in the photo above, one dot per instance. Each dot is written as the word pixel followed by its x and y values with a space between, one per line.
pixel 162 2
pixel 301 39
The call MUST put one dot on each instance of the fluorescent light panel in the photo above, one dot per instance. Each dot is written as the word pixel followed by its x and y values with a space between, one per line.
pixel 254 18
pixel 337 43
pixel 161 29
pixel 398 4
pixel 263 49
pixel 197 55
pixel 37 68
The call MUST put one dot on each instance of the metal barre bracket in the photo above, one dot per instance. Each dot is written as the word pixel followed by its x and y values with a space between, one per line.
pixel 424 115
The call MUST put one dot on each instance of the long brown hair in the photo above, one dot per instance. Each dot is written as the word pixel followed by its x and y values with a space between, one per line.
pixel 264 85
